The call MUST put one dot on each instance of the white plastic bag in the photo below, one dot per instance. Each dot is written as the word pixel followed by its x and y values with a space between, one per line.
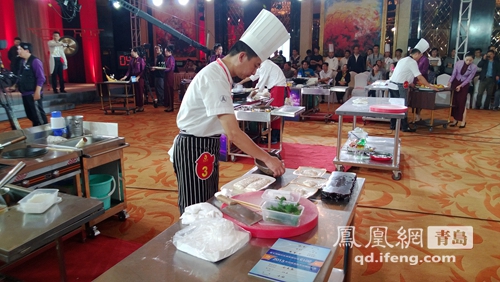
pixel 211 239
pixel 199 211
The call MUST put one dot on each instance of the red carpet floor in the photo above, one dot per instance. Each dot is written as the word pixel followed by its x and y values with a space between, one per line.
pixel 318 156
pixel 84 261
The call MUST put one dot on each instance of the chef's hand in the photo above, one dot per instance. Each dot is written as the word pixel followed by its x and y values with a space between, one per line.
pixel 138 77
pixel 458 88
pixel 123 78
pixel 276 165
pixel 448 85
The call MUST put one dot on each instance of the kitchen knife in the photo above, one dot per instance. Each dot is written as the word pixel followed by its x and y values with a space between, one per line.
pixel 239 212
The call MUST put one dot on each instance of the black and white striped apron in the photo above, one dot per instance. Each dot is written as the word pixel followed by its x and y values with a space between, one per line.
pixel 196 164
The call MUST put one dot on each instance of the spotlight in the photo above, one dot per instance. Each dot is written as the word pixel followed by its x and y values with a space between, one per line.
pixel 183 2
pixel 157 3
pixel 116 4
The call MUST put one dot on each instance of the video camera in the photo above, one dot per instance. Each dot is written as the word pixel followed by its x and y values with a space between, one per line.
pixel 7 78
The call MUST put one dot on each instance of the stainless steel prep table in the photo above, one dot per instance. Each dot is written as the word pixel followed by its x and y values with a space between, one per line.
pixel 344 158
pixel 265 117
pixel 159 260
pixel 24 233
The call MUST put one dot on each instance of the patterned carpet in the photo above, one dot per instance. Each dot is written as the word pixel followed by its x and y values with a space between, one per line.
pixel 450 177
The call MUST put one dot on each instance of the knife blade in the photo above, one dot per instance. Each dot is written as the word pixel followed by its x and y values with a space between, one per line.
pixel 238 211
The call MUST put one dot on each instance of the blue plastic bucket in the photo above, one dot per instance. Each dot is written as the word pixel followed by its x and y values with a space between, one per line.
pixel 101 188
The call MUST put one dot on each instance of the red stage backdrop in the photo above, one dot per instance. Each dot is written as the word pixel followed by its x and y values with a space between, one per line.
pixel 8 28
pixel 351 22
pixel 182 19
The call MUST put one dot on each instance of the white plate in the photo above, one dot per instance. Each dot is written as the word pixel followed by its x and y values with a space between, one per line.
pixel 235 191
pixel 303 191
pixel 310 182
pixel 309 171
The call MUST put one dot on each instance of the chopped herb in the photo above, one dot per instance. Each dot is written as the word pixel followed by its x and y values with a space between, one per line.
pixel 286 208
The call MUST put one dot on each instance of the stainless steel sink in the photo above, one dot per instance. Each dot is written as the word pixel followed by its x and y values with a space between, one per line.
pixel 13 195
pixel 90 140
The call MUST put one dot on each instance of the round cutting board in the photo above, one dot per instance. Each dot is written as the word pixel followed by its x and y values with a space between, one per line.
pixel 308 220
pixel 392 109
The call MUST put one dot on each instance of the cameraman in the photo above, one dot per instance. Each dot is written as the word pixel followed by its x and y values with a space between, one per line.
pixel 30 84
pixel 136 68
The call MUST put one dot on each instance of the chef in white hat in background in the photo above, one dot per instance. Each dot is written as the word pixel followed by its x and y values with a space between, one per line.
pixel 333 62
pixel 404 73
pixel 271 77
pixel 207 112
pixel 387 57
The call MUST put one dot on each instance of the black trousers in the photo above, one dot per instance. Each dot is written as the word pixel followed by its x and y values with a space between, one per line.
pixel 34 110
pixel 58 72
pixel 196 165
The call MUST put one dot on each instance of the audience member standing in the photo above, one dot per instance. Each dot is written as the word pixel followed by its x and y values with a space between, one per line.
pixel 449 62
pixel 490 73
pixel 373 58
pixel 14 59
pixel 345 59
pixel 218 53
pixel 30 84
pixel 159 74
pixel 356 62
pixel 57 62
pixel 295 59
pixel 169 79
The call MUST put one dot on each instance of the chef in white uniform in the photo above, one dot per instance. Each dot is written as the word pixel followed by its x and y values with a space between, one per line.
pixel 207 112
pixel 404 73
pixel 271 76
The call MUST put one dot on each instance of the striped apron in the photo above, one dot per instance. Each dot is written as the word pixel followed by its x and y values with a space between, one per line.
pixel 196 165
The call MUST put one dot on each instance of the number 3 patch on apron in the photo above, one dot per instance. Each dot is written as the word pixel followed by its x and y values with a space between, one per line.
pixel 205 165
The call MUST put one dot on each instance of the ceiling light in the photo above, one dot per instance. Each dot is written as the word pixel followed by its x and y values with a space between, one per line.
pixel 157 3
pixel 116 4
pixel 183 2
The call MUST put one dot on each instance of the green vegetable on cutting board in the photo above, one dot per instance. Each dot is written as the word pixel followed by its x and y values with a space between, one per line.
pixel 286 208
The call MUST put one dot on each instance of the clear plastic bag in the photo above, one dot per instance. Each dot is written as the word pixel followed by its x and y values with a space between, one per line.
pixel 211 239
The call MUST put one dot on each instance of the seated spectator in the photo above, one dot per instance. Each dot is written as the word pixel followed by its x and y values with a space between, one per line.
pixel 190 66
pixel 305 71
pixel 342 79
pixel 375 74
pixel 326 77
pixel 288 71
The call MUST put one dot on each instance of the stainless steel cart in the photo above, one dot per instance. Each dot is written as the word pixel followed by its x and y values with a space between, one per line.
pixel 381 144
pixel 316 92
pixel 247 115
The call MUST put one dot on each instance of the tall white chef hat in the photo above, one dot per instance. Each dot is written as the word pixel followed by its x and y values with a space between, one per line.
pixel 265 34
pixel 422 45
pixel 330 48
pixel 387 47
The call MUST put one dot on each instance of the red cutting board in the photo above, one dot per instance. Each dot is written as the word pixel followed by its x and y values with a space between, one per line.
pixel 392 109
pixel 308 220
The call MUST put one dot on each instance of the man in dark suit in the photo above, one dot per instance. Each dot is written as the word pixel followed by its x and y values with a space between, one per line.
pixel 490 73
pixel 356 62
